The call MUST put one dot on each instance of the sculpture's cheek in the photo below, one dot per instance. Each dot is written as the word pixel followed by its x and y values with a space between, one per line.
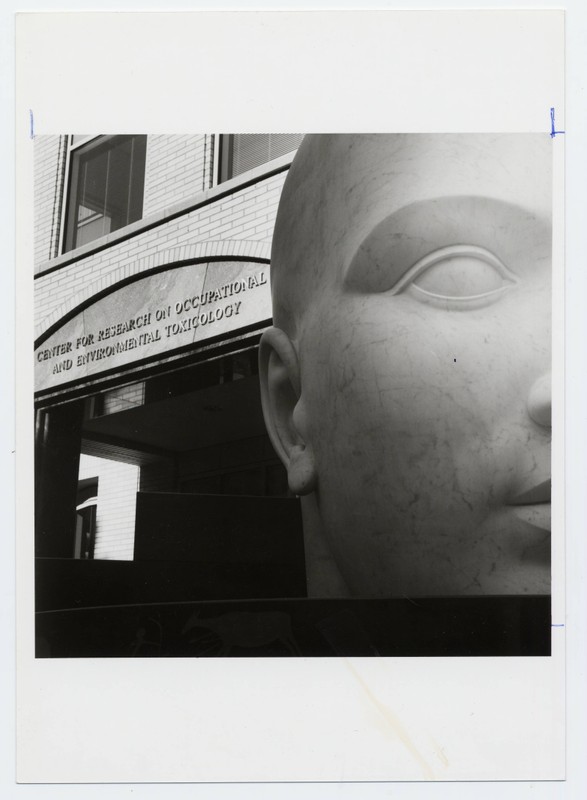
pixel 425 439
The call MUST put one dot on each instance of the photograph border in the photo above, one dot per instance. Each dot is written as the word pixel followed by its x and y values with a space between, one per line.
pixel 32 709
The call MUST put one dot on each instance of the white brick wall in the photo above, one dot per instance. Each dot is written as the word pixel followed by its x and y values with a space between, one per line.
pixel 115 514
pixel 248 214
pixel 177 167
pixel 49 158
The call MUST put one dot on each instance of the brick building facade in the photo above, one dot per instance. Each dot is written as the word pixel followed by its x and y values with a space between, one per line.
pixel 151 293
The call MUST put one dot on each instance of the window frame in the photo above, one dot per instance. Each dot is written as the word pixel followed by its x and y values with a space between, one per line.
pixel 89 142
pixel 69 147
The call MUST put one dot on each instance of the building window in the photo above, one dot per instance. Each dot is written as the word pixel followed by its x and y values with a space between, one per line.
pixel 106 183
pixel 85 523
pixel 242 152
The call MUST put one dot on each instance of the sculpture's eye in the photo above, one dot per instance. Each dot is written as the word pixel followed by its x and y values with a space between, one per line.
pixel 460 275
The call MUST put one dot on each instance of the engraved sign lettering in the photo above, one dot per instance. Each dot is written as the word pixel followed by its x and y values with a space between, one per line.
pixel 154 315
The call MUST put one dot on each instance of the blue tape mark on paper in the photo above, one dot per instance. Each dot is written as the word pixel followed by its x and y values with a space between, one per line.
pixel 553 131
pixel 32 124
pixel 558 625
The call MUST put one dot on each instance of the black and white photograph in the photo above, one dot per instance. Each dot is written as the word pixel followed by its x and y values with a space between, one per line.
pixel 293 395
pixel 293 463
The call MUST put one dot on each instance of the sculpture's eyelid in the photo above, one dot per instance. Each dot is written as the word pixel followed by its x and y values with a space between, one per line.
pixel 452 252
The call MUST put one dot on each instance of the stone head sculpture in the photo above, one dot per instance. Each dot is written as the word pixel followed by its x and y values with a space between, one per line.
pixel 406 383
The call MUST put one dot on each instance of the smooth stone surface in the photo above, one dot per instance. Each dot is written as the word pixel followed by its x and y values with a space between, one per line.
pixel 406 387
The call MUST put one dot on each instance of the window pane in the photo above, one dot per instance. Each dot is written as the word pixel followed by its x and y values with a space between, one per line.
pixel 91 198
pixel 137 179
pixel 249 150
pixel 118 191
pixel 107 184
pixel 242 152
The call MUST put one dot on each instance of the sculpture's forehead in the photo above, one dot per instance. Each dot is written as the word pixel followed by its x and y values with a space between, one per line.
pixel 340 187
pixel 339 183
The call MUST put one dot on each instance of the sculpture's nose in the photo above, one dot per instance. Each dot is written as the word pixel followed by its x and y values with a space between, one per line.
pixel 540 401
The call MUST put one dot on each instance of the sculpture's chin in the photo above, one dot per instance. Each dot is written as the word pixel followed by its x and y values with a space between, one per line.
pixel 506 552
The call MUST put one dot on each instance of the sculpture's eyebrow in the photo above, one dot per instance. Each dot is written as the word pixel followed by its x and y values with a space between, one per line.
pixel 400 240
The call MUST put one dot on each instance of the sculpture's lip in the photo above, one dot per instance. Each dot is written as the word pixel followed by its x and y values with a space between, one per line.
pixel 535 514
pixel 533 505
pixel 536 495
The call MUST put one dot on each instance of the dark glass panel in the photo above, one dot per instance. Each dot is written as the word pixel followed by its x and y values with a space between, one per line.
pixel 244 151
pixel 107 183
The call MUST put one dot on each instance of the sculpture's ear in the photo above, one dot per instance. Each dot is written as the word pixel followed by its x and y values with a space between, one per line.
pixel 279 375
